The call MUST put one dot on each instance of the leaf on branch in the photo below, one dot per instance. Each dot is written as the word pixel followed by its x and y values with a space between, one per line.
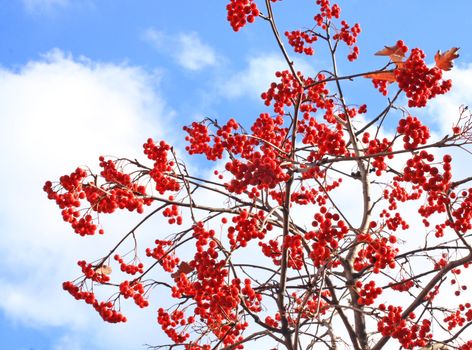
pixel 184 267
pixel 104 270
pixel 444 60
pixel 388 76
pixel 396 54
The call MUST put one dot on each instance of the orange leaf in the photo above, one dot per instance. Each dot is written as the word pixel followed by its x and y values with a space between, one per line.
pixel 184 267
pixel 388 76
pixel 444 60
pixel 104 270
pixel 395 53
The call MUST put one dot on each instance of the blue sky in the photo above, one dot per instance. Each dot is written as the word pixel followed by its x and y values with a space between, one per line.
pixel 79 78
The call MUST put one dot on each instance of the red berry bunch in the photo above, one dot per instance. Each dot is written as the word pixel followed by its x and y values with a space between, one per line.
pixel 68 195
pixel 329 140
pixel 272 250
pixel 247 227
pixel 134 290
pixel 381 85
pixel 166 258
pixel 90 272
pixel 173 214
pixel 282 93
pixel 216 298
pixel 298 39
pixel 459 317
pixel 327 12
pixel 376 146
pixel 329 229
pixel 409 335
pixel 105 309
pixel 296 257
pixel 403 286
pixel 419 82
pixel 129 268
pixel 118 191
pixel 313 307
pixel 393 222
pixel 349 35
pixel 378 252
pixel 413 131
pixel 367 292
pixel 466 346
pixel 241 12
pixel 271 322
pixel 162 166
pixel 169 322
pixel 462 214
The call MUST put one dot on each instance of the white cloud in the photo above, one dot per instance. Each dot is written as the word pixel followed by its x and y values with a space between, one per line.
pixel 57 113
pixel 194 55
pixel 257 76
pixel 187 49
pixel 444 111
pixel 445 108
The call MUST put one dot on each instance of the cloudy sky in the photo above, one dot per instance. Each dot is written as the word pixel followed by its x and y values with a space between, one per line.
pixel 80 78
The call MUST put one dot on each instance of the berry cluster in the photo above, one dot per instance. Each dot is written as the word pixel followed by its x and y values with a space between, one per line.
pixel 395 326
pixel 216 298
pixel 272 250
pixel 167 259
pixel 313 307
pixel 413 131
pixel 70 201
pixel 118 191
pixel 329 140
pixel 402 286
pixel 349 35
pixel 376 146
pixel 284 92
pixel 329 230
pixel 129 268
pixel 173 214
pixel 105 309
pixel 381 85
pixel 246 228
pixel 90 272
pixel 241 12
pixel 169 322
pixel 419 82
pixel 327 12
pixel 298 40
pixel 367 292
pixel 377 252
pixel 199 139
pixel 134 290
pixel 296 257
pixel 463 213
pixel 162 167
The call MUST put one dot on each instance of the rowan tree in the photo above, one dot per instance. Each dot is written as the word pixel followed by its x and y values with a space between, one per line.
pixel 278 258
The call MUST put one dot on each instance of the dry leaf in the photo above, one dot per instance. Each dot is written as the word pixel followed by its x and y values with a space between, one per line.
pixel 184 267
pixel 388 76
pixel 444 60
pixel 395 53
pixel 104 270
